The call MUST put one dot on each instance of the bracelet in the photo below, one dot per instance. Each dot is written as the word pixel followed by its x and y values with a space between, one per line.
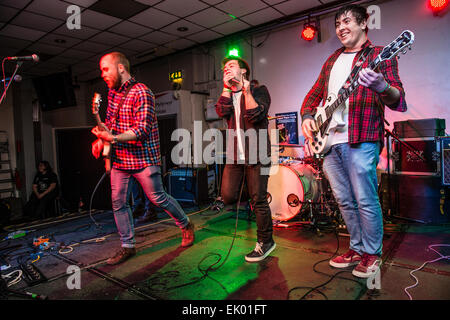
pixel 114 140
pixel 388 86
pixel 226 89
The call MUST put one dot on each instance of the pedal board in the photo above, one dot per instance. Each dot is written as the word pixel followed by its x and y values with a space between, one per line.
pixel 31 274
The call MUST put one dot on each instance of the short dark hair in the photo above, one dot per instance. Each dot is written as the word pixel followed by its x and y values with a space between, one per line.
pixel 48 168
pixel 119 57
pixel 359 12
pixel 242 64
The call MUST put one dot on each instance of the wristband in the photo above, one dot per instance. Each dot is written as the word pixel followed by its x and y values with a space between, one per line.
pixel 114 140
pixel 226 89
pixel 385 88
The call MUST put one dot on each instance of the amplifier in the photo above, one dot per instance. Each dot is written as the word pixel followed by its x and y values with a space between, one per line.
pixel 188 184
pixel 407 161
pixel 416 197
pixel 420 128
pixel 445 161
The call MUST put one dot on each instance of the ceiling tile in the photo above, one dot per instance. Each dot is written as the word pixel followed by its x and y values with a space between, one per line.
pixel 83 33
pixel 204 36
pixel 148 2
pixel 272 2
pixel 45 48
pixel 126 51
pixel 76 55
pixel 36 21
pixel 7 52
pixel 181 9
pixel 138 45
pixel 109 38
pixel 262 16
pixel 153 18
pixel 97 20
pixel 82 3
pixel 6 13
pixel 180 44
pixel 209 18
pixel 19 4
pixel 21 32
pixel 231 27
pixel 93 47
pixel 54 39
pixel 192 28
pixel 158 37
pixel 162 51
pixel 61 60
pixel 51 8
pixel 294 6
pixel 239 8
pixel 213 1
pixel 130 29
pixel 13 42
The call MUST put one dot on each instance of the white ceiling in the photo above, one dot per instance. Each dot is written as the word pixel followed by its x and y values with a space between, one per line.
pixel 39 26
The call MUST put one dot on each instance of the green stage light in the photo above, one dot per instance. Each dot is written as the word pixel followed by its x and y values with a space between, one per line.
pixel 233 52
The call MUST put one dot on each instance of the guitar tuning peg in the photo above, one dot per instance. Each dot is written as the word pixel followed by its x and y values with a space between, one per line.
pixel 409 47
pixel 404 51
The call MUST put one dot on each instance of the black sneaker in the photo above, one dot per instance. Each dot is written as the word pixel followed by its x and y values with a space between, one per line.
pixel 121 255
pixel 261 251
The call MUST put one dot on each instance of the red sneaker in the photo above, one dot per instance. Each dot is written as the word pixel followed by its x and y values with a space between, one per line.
pixel 349 258
pixel 188 235
pixel 369 265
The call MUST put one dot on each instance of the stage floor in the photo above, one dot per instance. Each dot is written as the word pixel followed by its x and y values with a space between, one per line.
pixel 164 270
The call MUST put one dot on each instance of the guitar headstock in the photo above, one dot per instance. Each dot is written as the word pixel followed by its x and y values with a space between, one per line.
pixel 96 100
pixel 403 41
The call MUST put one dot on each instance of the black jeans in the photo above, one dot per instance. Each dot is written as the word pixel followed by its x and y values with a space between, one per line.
pixel 257 189
pixel 40 208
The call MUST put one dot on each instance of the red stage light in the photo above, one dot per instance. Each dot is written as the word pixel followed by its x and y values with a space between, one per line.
pixel 437 5
pixel 308 32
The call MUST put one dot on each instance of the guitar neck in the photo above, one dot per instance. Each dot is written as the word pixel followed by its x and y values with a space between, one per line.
pixel 348 91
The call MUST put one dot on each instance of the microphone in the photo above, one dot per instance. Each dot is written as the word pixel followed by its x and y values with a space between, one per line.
pixel 33 57
pixel 17 78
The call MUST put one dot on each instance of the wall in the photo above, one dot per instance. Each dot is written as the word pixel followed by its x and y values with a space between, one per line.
pixel 285 63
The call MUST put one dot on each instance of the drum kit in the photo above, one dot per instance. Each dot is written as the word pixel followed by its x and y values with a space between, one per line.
pixel 297 188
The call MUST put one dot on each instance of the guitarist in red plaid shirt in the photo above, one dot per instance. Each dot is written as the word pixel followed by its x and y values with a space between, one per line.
pixel 350 164
pixel 132 129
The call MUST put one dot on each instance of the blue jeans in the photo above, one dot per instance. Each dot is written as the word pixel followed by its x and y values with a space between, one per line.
pixel 150 180
pixel 351 171
pixel 133 190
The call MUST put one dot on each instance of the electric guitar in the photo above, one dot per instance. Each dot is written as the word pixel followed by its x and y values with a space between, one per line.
pixel 96 100
pixel 329 117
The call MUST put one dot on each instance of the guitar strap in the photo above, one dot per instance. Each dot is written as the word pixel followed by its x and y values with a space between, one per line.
pixel 122 101
pixel 356 68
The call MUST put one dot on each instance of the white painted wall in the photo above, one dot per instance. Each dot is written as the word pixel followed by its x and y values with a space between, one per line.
pixel 289 66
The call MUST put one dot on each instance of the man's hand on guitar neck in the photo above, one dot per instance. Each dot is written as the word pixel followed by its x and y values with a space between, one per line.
pixel 103 133
pixel 375 81
pixel 308 127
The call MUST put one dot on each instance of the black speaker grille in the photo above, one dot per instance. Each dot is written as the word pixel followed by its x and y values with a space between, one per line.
pixel 446 167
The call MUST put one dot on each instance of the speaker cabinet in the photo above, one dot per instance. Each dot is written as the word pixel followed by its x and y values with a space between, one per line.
pixel 445 161
pixel 188 184
pixel 416 197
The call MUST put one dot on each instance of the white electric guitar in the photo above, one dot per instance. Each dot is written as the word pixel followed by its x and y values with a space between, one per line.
pixel 96 100
pixel 329 117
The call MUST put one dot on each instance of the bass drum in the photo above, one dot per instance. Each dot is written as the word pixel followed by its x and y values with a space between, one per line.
pixel 289 186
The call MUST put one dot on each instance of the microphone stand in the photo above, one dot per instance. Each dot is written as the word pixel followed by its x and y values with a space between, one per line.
pixel 388 134
pixel 18 64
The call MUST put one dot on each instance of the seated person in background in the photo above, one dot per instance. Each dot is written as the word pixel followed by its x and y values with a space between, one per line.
pixel 45 190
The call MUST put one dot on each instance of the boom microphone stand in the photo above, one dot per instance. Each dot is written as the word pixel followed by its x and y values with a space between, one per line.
pixel 18 64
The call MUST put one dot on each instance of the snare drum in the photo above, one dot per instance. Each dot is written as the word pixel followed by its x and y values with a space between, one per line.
pixel 289 186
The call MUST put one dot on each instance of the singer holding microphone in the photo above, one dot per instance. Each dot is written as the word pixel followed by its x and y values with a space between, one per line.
pixel 245 108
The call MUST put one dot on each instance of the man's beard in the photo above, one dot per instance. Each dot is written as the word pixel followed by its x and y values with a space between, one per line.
pixel 117 82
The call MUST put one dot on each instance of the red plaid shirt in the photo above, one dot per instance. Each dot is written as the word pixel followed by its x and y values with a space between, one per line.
pixel 365 105
pixel 138 115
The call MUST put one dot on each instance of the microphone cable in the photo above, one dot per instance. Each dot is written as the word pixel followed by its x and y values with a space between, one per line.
pixel 205 271
pixel 98 225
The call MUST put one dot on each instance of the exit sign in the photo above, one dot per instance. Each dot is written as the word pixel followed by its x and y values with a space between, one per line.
pixel 176 75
